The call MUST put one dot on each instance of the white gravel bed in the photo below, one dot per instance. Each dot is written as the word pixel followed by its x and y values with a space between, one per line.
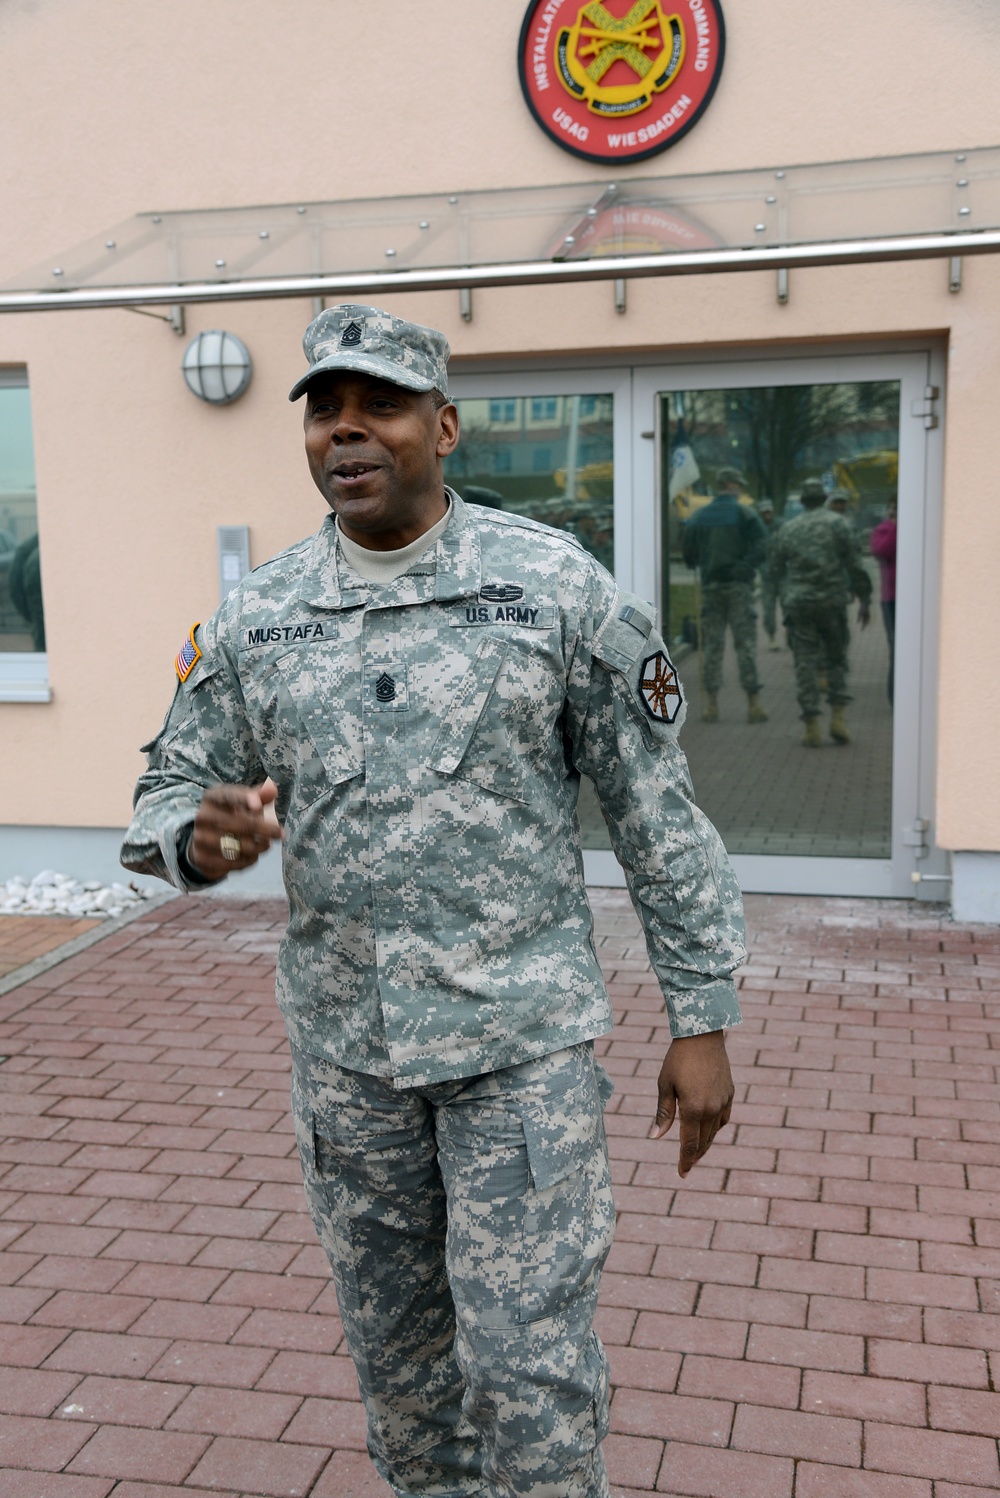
pixel 57 894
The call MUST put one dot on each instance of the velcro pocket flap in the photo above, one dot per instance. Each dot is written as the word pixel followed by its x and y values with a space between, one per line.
pixel 622 637
pixel 561 1131
pixel 555 1154
pixel 466 709
pixel 204 669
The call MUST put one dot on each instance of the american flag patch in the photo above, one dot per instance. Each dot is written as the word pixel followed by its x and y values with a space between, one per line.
pixel 188 656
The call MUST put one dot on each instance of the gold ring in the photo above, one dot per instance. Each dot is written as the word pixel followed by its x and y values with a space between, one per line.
pixel 230 847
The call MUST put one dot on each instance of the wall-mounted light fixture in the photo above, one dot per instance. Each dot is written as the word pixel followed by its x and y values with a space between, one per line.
pixel 217 367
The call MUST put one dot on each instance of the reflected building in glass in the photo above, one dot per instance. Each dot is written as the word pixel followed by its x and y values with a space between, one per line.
pixel 550 457
pixel 22 622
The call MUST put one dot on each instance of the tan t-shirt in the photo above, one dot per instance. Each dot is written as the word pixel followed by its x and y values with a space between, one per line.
pixel 384 567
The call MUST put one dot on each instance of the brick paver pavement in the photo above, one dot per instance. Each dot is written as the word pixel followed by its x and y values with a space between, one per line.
pixel 24 937
pixel 814 1314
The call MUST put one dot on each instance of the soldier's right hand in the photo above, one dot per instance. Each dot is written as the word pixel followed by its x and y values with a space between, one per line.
pixel 864 615
pixel 238 819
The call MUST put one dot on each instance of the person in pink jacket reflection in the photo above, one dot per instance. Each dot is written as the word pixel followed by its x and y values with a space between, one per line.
pixel 883 547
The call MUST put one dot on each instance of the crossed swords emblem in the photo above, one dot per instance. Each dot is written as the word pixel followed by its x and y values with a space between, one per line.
pixel 628 38
pixel 650 44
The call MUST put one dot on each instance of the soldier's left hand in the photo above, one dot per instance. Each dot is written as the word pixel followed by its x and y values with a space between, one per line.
pixel 694 1078
pixel 864 615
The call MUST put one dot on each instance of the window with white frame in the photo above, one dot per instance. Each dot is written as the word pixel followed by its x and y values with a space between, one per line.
pixel 23 658
pixel 543 408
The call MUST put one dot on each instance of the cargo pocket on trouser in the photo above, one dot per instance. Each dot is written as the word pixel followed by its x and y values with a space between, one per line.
pixel 535 1371
pixel 569 1211
pixel 379 1209
pixel 319 1178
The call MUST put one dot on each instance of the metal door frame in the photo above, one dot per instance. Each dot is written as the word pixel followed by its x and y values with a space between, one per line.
pixel 914 717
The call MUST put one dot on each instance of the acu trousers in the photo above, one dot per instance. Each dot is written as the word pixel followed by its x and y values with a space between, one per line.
pixel 729 606
pixel 819 636
pixel 467 1224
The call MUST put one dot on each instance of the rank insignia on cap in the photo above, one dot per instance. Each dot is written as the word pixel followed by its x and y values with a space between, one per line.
pixel 351 336
pixel 188 656
pixel 659 688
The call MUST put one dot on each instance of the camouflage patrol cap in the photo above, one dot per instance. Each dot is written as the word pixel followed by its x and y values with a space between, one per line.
pixel 730 476
pixel 373 342
pixel 812 489
pixel 766 504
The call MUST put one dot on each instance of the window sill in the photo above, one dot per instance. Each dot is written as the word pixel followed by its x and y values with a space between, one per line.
pixel 24 677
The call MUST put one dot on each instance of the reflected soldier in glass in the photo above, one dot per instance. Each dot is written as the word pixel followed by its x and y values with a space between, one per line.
pixel 726 542
pixel 817 571
pixel 25 583
pixel 768 591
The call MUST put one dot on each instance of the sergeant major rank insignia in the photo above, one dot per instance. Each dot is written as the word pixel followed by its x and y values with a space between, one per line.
pixel 659 688
pixel 351 336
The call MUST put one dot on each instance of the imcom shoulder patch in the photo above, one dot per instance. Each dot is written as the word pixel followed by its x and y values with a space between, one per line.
pixel 659 687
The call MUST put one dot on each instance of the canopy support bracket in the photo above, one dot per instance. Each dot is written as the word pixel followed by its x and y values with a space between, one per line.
pixel 175 317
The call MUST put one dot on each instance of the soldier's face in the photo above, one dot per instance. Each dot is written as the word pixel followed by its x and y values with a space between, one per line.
pixel 375 452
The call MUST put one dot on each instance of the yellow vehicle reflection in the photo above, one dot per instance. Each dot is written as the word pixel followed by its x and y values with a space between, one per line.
pixel 686 501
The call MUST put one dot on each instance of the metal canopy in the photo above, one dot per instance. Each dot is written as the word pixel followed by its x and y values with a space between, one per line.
pixel 835 213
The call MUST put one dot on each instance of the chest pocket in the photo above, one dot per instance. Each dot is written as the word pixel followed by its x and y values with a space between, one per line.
pixel 307 720
pixel 476 741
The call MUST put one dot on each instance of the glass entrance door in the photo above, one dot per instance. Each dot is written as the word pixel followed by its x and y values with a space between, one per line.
pixel 767 631
pixel 789 505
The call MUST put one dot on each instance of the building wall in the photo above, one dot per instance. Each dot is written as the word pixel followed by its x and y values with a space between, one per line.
pixel 117 107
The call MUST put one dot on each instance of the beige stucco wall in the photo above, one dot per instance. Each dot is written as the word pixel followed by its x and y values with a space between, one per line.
pixel 121 106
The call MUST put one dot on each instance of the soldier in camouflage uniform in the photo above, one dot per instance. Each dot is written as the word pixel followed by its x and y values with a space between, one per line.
pixel 424 682
pixel 768 590
pixel 816 567
pixel 727 542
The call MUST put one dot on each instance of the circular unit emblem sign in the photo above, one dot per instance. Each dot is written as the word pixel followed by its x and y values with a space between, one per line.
pixel 620 80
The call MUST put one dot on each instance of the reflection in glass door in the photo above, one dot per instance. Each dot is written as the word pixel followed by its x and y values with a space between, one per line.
pixel 774 498
pixel 782 490
pixel 550 457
